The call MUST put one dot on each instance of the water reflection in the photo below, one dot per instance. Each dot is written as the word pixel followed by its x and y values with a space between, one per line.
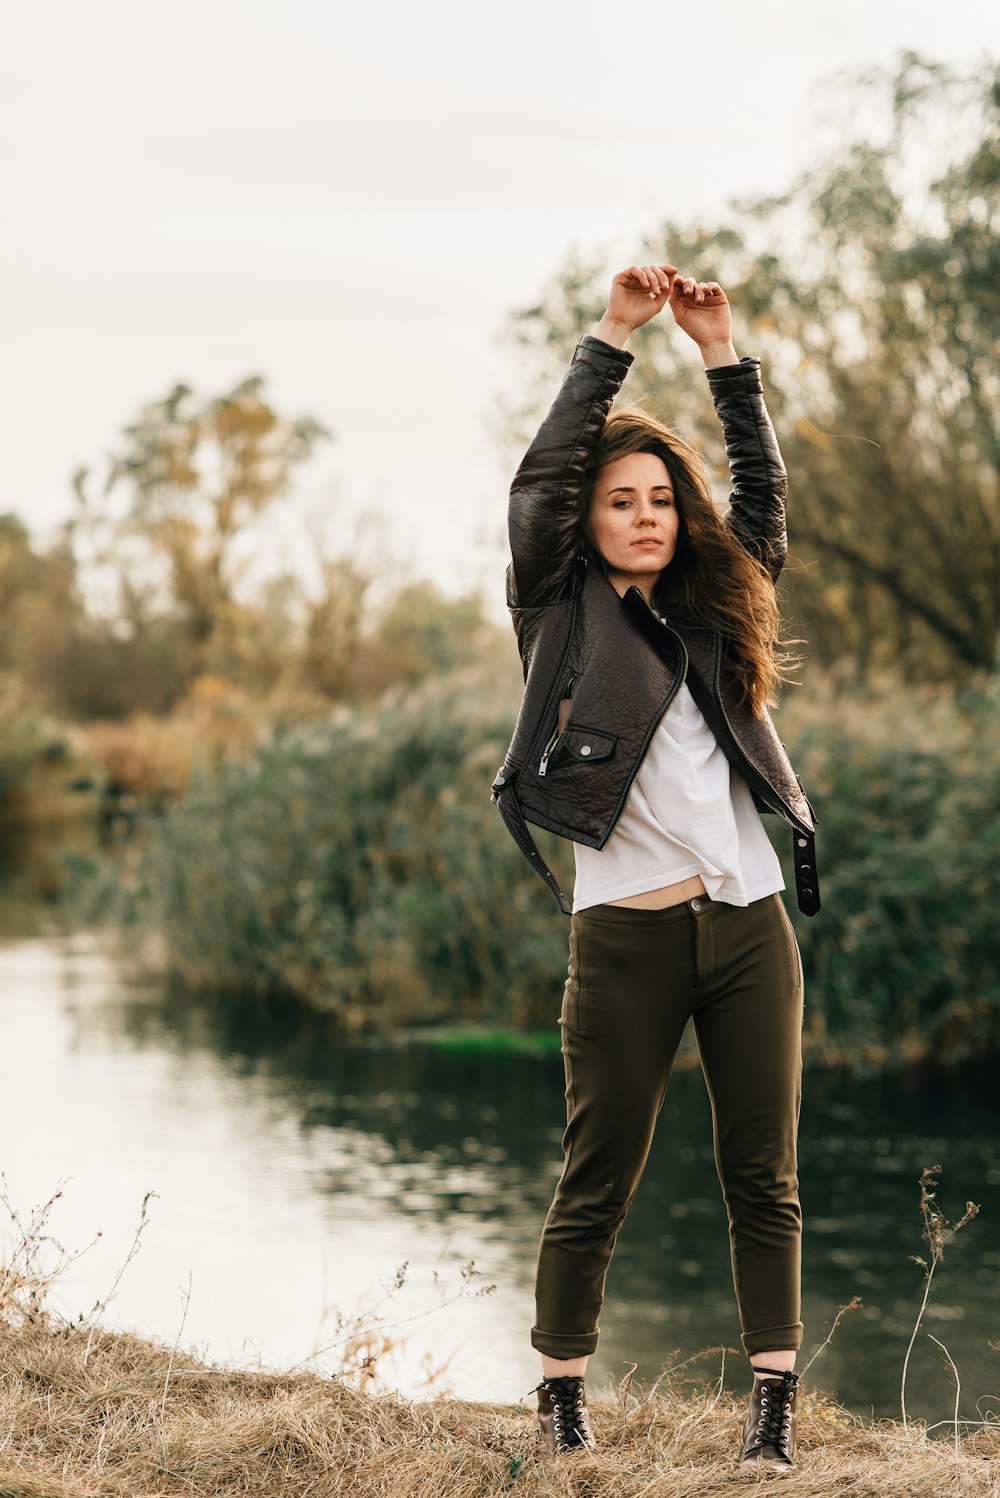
pixel 295 1174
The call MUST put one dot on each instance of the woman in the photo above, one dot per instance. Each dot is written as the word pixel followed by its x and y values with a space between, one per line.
pixel 648 626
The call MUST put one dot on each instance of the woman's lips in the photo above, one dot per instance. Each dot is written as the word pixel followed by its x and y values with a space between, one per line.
pixel 650 541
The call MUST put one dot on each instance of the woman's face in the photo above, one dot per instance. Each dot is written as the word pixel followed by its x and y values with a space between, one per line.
pixel 633 520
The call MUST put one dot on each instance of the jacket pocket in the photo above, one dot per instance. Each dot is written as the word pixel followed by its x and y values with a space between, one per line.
pixel 588 744
pixel 577 745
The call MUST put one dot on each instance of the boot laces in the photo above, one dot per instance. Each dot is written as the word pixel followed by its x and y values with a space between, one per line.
pixel 774 1424
pixel 569 1413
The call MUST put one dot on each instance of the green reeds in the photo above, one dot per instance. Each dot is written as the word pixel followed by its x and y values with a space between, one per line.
pixel 359 867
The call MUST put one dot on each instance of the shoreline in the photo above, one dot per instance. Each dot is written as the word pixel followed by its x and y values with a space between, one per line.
pixel 89 1412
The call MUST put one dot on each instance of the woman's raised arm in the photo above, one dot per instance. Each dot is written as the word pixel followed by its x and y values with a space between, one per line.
pixel 756 514
pixel 547 493
pixel 546 496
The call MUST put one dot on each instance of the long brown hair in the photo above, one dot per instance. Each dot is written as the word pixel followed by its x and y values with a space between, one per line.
pixel 712 579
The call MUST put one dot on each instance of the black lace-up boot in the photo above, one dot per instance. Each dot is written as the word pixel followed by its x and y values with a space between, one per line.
pixel 769 1428
pixel 562 1414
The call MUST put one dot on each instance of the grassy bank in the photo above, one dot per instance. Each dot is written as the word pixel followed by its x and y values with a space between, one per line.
pixel 110 1414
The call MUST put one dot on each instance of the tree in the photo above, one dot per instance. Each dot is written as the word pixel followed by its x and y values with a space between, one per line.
pixel 198 474
pixel 871 288
pixel 40 603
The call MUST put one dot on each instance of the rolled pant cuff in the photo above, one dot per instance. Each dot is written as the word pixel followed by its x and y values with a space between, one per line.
pixel 774 1338
pixel 556 1345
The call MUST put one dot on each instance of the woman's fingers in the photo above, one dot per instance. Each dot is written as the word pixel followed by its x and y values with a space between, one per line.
pixel 634 278
pixel 657 280
pixel 641 291
pixel 697 291
pixel 651 277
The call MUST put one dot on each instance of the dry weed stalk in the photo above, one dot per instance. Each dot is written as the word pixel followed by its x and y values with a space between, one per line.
pixel 24 1284
pixel 937 1230
pixel 854 1304
pixel 958 1386
pixel 366 1339
pixel 180 1332
pixel 100 1306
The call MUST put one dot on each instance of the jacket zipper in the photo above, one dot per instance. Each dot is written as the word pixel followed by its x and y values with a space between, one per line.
pixel 549 750
pixel 543 763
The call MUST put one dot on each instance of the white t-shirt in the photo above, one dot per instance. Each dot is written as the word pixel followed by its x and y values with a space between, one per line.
pixel 688 812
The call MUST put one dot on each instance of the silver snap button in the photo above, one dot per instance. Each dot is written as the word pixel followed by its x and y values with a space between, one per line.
pixel 696 904
pixel 585 749
pixel 802 842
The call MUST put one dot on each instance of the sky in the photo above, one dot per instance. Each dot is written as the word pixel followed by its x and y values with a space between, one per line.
pixel 351 201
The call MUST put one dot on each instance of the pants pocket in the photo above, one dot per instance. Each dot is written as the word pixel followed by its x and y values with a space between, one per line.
pixel 575 999
pixel 793 945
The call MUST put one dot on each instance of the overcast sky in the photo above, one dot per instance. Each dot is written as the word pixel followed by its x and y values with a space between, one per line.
pixel 350 200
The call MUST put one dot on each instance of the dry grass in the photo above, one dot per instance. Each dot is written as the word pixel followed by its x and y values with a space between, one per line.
pixel 134 1418
pixel 92 1413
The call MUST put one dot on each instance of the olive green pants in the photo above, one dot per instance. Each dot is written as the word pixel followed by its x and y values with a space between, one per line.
pixel 635 978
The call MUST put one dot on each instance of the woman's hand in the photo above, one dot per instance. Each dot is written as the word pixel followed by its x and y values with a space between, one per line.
pixel 701 308
pixel 636 295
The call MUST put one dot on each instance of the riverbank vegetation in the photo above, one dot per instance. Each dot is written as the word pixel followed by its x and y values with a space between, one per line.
pixel 122 1417
pixel 96 1413
pixel 90 1412
pixel 359 867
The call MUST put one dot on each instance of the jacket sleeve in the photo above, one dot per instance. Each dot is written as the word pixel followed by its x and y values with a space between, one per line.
pixel 756 512
pixel 547 492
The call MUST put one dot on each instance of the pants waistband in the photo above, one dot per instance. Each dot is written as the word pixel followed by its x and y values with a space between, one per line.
pixel 635 915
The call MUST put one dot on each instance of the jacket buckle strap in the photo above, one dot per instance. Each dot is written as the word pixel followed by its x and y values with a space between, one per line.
pixel 518 828
pixel 806 878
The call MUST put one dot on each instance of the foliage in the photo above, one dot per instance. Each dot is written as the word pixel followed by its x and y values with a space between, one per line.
pixel 360 866
pixel 39 756
pixel 198 473
pixel 871 289
pixel 23 734
pixel 901 960
pixel 38 601
pixel 357 866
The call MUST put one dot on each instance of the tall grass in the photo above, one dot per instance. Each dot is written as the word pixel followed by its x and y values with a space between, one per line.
pixel 359 866
pixel 901 962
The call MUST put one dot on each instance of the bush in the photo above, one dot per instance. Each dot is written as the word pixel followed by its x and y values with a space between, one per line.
pixel 360 866
pixel 42 761
pixel 901 960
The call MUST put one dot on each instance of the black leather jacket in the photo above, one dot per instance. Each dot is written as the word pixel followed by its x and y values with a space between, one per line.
pixel 601 670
